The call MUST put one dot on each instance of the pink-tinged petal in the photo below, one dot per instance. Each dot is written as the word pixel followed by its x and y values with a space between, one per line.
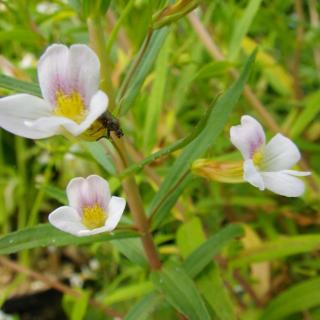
pixel 57 125
pixel 88 192
pixel 18 110
pixel 248 136
pixel 283 183
pixel 252 175
pixel 66 219
pixel 84 67
pixel 280 154
pixel 99 191
pixel 114 211
pixel 74 192
pixel 67 70
pixel 53 72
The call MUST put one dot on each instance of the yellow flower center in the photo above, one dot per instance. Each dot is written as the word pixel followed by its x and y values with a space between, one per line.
pixel 257 158
pixel 93 217
pixel 70 106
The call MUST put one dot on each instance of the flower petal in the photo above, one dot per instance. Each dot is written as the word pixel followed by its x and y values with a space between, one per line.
pixel 84 69
pixel 88 232
pixel 17 110
pixel 98 105
pixel 252 175
pixel 88 192
pixel 115 211
pixel 63 69
pixel 55 124
pixel 66 219
pixel 283 183
pixel 53 72
pixel 99 191
pixel 280 153
pixel 74 193
pixel 247 137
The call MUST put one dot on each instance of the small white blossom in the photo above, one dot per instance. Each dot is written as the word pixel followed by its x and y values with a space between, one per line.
pixel 91 208
pixel 69 82
pixel 266 166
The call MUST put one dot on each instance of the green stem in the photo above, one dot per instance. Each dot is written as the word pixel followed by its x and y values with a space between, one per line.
pixel 97 40
pixel 3 211
pixel 117 27
pixel 21 166
pixel 40 195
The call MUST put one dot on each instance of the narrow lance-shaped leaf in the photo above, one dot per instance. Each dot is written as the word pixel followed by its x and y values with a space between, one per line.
pixel 204 254
pixel 279 248
pixel 44 235
pixel 180 291
pixel 136 75
pixel 298 298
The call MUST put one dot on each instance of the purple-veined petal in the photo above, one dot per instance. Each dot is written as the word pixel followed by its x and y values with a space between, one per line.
pixel 88 192
pixel 17 110
pixel 283 183
pixel 74 193
pixel 67 70
pixel 99 191
pixel 66 219
pixel 280 153
pixel 84 68
pixel 114 211
pixel 252 175
pixel 248 136
pixel 53 72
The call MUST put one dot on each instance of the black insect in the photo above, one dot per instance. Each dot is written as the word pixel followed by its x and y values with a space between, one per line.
pixel 109 122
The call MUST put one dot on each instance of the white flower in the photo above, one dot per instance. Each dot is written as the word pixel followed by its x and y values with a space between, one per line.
pixel 91 208
pixel 266 166
pixel 69 82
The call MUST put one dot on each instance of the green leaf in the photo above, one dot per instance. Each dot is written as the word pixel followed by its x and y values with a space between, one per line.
pixel 214 126
pixel 279 248
pixel 297 298
pixel 241 28
pixel 126 95
pixel 23 36
pixel 19 85
pixel 190 237
pixel 97 151
pixel 180 291
pixel 310 111
pixel 44 235
pixel 204 254
pixel 133 250
pixel 128 292
pixel 144 307
pixel 55 193
pixel 157 95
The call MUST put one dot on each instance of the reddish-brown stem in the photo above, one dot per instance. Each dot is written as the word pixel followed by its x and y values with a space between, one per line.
pixel 136 207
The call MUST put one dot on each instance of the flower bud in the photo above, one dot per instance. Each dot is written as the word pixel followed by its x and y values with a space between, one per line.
pixel 221 171
pixel 173 12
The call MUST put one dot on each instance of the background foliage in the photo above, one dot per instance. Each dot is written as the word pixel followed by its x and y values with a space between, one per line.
pixel 265 247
